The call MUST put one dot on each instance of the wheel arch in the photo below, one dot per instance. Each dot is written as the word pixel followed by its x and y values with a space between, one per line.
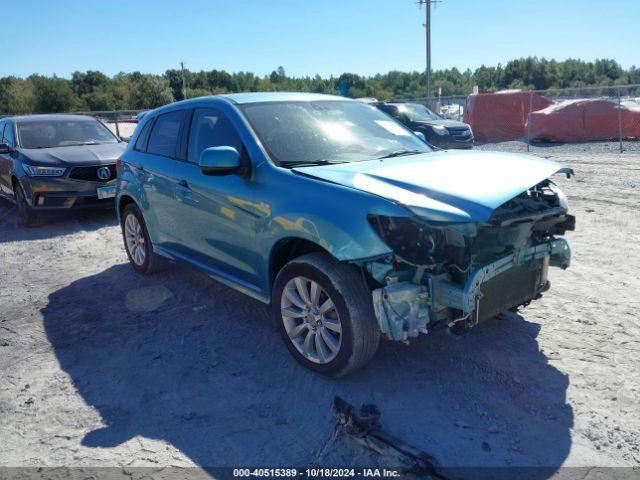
pixel 15 181
pixel 123 201
pixel 286 249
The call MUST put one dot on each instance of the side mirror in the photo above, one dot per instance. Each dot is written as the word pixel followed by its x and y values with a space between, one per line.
pixel 421 136
pixel 219 161
pixel 4 149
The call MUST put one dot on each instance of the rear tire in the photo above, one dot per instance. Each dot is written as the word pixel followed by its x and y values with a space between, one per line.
pixel 325 316
pixel 27 214
pixel 137 243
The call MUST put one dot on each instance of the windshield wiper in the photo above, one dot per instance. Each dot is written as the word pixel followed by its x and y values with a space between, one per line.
pixel 309 164
pixel 401 153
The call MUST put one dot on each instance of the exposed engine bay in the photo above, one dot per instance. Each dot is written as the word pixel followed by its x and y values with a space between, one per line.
pixel 458 274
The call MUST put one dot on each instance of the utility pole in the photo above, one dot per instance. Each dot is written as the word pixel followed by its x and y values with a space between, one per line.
pixel 427 26
pixel 184 82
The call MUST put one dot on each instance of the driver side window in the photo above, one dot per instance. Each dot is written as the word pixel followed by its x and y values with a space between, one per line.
pixel 210 128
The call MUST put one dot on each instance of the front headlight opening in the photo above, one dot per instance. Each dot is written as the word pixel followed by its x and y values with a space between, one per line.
pixel 43 171
pixel 412 241
pixel 439 129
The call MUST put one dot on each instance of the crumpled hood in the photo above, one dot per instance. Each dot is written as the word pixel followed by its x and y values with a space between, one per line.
pixel 75 155
pixel 444 186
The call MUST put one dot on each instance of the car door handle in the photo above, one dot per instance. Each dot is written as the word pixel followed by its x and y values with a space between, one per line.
pixel 184 184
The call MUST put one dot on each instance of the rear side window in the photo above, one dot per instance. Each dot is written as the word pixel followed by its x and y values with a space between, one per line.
pixel 141 141
pixel 210 128
pixel 165 133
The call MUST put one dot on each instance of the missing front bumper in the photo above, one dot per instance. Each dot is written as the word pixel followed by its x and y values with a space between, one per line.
pixel 405 309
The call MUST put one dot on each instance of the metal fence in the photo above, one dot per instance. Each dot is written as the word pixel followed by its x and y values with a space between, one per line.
pixel 120 122
pixel 541 118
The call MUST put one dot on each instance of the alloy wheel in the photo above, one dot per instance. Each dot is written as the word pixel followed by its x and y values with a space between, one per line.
pixel 134 238
pixel 311 320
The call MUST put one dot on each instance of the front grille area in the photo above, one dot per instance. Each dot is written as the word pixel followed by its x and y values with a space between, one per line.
pixel 460 134
pixel 90 174
pixel 510 289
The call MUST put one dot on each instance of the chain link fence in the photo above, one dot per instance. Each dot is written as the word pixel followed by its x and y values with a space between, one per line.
pixel 543 118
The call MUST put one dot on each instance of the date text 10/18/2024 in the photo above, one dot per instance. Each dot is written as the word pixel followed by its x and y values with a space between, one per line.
pixel 317 472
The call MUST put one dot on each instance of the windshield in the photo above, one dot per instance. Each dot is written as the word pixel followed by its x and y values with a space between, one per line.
pixel 63 133
pixel 328 131
pixel 418 113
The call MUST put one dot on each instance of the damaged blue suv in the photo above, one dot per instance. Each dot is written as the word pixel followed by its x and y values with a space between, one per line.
pixel 340 218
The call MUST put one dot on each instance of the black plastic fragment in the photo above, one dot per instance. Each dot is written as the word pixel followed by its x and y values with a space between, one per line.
pixel 364 423
pixel 356 422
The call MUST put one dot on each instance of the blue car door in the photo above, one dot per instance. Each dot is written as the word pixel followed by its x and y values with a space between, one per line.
pixel 217 214
pixel 155 167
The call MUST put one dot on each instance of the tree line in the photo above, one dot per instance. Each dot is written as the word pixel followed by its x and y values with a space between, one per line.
pixel 93 90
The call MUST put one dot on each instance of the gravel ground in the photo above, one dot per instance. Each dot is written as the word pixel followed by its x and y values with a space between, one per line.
pixel 102 367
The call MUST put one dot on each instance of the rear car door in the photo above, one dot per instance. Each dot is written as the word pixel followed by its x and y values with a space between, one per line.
pixel 154 168
pixel 217 214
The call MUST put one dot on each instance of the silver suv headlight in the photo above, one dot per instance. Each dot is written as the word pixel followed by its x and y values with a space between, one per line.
pixel 439 129
pixel 43 171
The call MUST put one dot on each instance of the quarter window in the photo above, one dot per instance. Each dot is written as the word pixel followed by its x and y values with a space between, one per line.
pixel 164 135
pixel 141 141
pixel 210 128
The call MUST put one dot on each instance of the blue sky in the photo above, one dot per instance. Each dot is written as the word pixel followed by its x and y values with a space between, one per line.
pixel 307 36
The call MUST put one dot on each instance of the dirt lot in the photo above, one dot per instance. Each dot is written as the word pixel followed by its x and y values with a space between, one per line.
pixel 100 366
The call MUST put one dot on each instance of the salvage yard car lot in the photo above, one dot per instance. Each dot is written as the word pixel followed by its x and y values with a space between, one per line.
pixel 340 218
pixel 176 369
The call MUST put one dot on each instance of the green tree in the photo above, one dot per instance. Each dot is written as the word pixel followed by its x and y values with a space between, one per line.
pixel 53 94
pixel 16 96
pixel 150 91
pixel 93 90
pixel 100 99
pixel 83 83
pixel 197 92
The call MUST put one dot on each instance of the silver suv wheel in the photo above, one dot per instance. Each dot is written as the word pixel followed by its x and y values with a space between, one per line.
pixel 134 239
pixel 311 320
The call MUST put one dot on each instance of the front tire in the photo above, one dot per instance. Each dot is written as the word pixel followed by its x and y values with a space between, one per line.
pixel 137 242
pixel 28 216
pixel 324 313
